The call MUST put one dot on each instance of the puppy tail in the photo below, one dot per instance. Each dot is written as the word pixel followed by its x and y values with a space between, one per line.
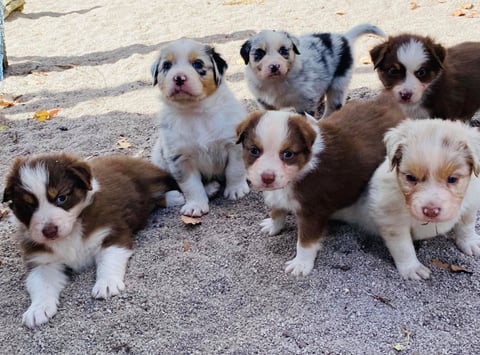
pixel 363 29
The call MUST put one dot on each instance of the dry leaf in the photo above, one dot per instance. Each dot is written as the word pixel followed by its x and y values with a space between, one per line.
pixel 340 12
pixel 3 213
pixel 458 13
pixel 398 347
pixel 454 268
pixel 3 128
pixel 193 221
pixel 53 112
pixel 365 60
pixel 467 6
pixel 186 246
pixel 41 115
pixel 6 103
pixel 123 143
pixel 413 5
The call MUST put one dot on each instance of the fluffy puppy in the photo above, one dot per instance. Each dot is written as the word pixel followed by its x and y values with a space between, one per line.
pixel 287 71
pixel 73 213
pixel 196 141
pixel 426 186
pixel 429 80
pixel 314 168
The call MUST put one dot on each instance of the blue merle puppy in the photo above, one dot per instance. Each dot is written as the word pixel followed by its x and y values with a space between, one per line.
pixel 286 71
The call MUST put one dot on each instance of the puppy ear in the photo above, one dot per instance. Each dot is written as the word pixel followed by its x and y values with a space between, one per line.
pixel 245 51
pixel 295 43
pixel 82 171
pixel 12 179
pixel 474 148
pixel 439 53
pixel 297 123
pixel 377 54
pixel 394 140
pixel 219 64
pixel 154 71
pixel 247 124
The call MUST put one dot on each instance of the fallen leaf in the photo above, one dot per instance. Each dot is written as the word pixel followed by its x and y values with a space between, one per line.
pixel 454 268
pixel 3 213
pixel 467 6
pixel 3 128
pixel 5 103
pixel 53 112
pixel 340 12
pixel 186 246
pixel 193 221
pixel 398 347
pixel 413 5
pixel 458 13
pixel 123 143
pixel 41 115
pixel 366 60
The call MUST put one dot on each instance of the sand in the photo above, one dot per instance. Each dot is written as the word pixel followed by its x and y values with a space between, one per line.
pixel 219 287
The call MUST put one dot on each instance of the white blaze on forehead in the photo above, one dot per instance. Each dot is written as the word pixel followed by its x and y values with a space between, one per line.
pixel 272 129
pixel 34 179
pixel 412 55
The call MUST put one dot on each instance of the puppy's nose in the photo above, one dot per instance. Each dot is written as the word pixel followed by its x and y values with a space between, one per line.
pixel 268 178
pixel 180 79
pixel 274 67
pixel 405 95
pixel 50 231
pixel 431 212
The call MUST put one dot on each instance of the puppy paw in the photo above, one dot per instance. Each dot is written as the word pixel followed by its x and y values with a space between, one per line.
pixel 271 226
pixel 174 198
pixel 236 191
pixel 106 288
pixel 194 209
pixel 212 188
pixel 470 246
pixel 39 313
pixel 299 266
pixel 414 271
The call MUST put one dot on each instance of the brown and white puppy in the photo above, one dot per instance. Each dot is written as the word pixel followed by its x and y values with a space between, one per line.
pixel 196 141
pixel 314 168
pixel 426 186
pixel 428 80
pixel 283 70
pixel 73 213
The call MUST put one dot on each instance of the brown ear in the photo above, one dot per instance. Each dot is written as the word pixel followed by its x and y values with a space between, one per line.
pixel 82 171
pixel 439 53
pixel 247 124
pixel 377 54
pixel 13 178
pixel 394 140
pixel 304 128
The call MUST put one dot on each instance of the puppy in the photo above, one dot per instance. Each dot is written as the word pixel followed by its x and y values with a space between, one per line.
pixel 286 71
pixel 73 213
pixel 196 141
pixel 429 80
pixel 426 186
pixel 314 168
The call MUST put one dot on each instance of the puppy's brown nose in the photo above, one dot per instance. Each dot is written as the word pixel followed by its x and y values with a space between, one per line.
pixel 179 79
pixel 431 212
pixel 405 95
pixel 268 178
pixel 50 231
pixel 274 67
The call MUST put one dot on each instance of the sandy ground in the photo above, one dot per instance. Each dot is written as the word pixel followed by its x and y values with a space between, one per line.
pixel 218 287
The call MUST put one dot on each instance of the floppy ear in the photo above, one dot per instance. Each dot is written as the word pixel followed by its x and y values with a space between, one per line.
pixel 377 54
pixel 219 64
pixel 394 140
pixel 154 71
pixel 245 51
pixel 439 53
pixel 83 173
pixel 295 42
pixel 305 130
pixel 247 124
pixel 12 178
pixel 474 148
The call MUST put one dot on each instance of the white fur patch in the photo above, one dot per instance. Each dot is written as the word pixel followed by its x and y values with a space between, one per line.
pixel 412 55
pixel 303 262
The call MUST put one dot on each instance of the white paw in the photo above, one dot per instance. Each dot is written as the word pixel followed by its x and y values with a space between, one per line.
pixel 39 313
pixel 236 191
pixel 270 226
pixel 299 266
pixel 174 198
pixel 414 271
pixel 194 209
pixel 470 246
pixel 212 188
pixel 106 288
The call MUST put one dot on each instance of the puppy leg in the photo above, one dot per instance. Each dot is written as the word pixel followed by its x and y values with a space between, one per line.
pixel 44 284
pixel 236 182
pixel 195 195
pixel 335 95
pixel 275 223
pixel 111 266
pixel 400 244
pixel 467 240
pixel 310 235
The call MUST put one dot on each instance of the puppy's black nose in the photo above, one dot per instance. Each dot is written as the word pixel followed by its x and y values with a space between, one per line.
pixel 274 67
pixel 179 79
pixel 50 231
pixel 406 95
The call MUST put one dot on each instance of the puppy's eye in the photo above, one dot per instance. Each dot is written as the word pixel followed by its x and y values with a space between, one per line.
pixel 452 179
pixel 287 154
pixel 420 73
pixel 197 64
pixel 61 199
pixel 411 178
pixel 166 66
pixel 393 71
pixel 258 54
pixel 254 151
pixel 283 52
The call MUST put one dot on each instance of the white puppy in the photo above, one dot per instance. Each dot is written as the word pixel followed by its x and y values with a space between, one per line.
pixel 427 186
pixel 197 136
pixel 286 71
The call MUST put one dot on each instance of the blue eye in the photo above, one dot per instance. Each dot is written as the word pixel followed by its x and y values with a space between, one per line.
pixel 60 200
pixel 411 178
pixel 254 151
pixel 287 155
pixel 197 64
pixel 452 179
pixel 166 66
